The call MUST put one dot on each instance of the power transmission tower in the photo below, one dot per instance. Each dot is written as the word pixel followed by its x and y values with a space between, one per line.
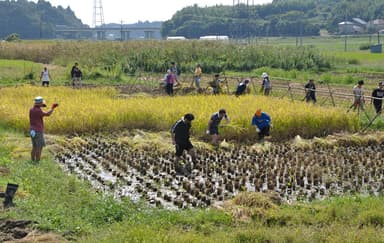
pixel 98 14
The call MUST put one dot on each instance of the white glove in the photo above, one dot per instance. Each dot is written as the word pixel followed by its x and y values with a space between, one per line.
pixel 32 133
pixel 207 132
pixel 257 130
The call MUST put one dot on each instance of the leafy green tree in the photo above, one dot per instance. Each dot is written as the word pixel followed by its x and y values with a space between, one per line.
pixel 34 20
pixel 281 17
pixel 12 37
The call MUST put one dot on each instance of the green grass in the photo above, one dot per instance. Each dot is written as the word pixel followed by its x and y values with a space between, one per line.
pixel 324 43
pixel 16 71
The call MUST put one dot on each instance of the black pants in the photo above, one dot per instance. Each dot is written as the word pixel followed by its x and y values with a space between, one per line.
pixel 310 97
pixel 169 89
pixel 378 105
pixel 264 132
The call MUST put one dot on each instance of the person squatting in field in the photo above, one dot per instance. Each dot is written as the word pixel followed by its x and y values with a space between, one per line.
pixel 36 115
pixel 181 140
pixel 213 125
pixel 377 97
pixel 262 123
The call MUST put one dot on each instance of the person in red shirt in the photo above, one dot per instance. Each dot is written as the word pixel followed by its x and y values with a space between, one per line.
pixel 36 122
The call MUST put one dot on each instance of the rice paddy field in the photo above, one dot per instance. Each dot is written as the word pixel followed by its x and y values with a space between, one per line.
pixel 108 174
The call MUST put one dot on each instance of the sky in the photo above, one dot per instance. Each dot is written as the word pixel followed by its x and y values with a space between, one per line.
pixel 130 11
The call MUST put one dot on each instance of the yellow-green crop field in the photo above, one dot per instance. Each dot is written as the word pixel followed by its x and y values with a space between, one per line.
pixel 89 110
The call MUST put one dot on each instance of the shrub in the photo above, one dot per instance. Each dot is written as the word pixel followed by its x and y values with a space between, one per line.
pixel 365 46
pixel 12 37
pixel 372 218
pixel 353 61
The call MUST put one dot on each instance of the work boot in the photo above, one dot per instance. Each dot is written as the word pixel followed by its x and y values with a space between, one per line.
pixel 188 168
pixel 179 170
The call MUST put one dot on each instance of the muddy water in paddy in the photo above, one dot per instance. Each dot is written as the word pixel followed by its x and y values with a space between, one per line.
pixel 295 173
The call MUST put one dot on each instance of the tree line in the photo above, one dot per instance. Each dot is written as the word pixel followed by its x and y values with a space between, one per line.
pixel 34 20
pixel 279 18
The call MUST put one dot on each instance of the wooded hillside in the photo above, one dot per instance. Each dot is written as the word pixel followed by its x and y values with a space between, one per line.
pixel 280 18
pixel 34 20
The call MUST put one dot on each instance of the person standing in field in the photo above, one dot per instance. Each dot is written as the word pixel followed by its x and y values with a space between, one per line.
pixel 36 115
pixel 45 77
pixel 377 98
pixel 76 76
pixel 197 76
pixel 358 93
pixel 176 71
pixel 266 84
pixel 181 139
pixel 262 123
pixel 310 91
pixel 213 125
pixel 169 82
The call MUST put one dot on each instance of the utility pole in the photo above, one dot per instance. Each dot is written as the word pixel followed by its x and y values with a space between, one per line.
pixel 121 31
pixel 248 23
pixel 41 28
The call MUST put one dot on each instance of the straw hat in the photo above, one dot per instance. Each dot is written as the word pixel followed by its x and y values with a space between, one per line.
pixel 40 101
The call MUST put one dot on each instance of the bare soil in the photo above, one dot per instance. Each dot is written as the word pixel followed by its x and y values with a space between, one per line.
pixel 22 231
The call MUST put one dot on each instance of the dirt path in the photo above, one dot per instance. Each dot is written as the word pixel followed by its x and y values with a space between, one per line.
pixel 22 231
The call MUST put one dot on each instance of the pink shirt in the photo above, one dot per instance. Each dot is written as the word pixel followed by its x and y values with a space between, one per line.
pixel 36 118
pixel 170 78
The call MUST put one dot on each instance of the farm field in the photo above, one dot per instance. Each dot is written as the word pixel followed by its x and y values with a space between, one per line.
pixel 107 174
